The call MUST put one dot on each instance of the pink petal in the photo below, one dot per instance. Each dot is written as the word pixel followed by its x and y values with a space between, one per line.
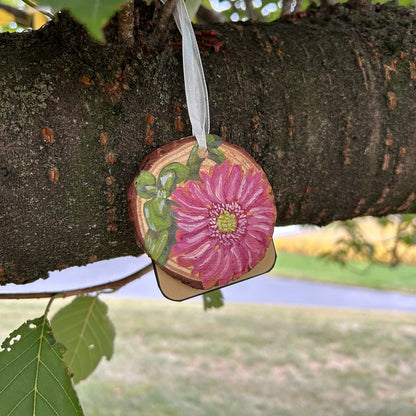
pixel 226 271
pixel 215 267
pixel 197 191
pixel 265 210
pixel 191 257
pixel 192 227
pixel 257 234
pixel 209 271
pixel 182 216
pixel 240 259
pixel 187 242
pixel 187 202
pixel 248 185
pixel 263 228
pixel 211 185
pixel 266 198
pixel 219 181
pixel 255 250
pixel 253 193
pixel 191 237
pixel 233 183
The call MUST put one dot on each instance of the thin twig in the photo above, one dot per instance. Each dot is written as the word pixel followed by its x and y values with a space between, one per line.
pixel 162 22
pixel 126 24
pixel 250 10
pixel 20 16
pixel 115 285
pixel 206 16
pixel 35 6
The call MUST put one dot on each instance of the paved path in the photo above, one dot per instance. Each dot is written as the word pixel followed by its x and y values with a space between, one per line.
pixel 264 289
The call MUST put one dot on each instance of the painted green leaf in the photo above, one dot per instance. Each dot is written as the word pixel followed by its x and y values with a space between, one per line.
pixel 155 243
pixel 194 163
pixel 213 299
pixel 172 175
pixel 157 214
pixel 34 379
pixel 213 141
pixel 92 13
pixel 171 241
pixel 216 155
pixel 145 185
pixel 87 332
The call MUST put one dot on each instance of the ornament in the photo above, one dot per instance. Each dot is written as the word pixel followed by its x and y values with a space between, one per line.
pixel 205 221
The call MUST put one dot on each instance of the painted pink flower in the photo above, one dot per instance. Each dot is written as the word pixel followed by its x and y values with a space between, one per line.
pixel 225 223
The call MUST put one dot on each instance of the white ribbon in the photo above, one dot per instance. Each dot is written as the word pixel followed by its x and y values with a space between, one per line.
pixel 195 86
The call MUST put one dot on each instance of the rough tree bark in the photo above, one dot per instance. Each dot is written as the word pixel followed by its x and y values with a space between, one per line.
pixel 326 106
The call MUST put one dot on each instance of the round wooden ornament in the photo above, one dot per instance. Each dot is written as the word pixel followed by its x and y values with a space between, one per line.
pixel 205 220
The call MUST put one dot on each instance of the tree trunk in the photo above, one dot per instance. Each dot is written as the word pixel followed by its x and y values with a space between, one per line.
pixel 326 106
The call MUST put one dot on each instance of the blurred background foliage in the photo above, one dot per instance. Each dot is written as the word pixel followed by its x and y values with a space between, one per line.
pixel 18 15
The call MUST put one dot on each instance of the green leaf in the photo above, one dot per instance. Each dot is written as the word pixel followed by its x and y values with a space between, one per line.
pixel 213 141
pixel 384 222
pixel 194 163
pixel 33 377
pixel 408 218
pixel 408 239
pixel 94 14
pixel 145 185
pixel 157 214
pixel 216 155
pixel 172 175
pixel 155 243
pixel 213 299
pixel 87 332
pixel 164 256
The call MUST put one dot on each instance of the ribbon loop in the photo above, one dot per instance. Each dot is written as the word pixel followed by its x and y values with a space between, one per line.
pixel 195 86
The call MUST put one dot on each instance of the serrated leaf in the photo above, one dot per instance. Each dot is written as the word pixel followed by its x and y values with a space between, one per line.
pixel 92 13
pixel 213 299
pixel 87 332
pixel 33 377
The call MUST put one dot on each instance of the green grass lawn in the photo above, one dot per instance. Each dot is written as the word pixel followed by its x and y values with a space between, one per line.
pixel 247 360
pixel 400 278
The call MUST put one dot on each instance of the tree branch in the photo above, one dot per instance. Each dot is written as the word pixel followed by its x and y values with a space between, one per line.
pixel 162 20
pixel 114 285
pixel 250 9
pixel 126 24
pixel 326 107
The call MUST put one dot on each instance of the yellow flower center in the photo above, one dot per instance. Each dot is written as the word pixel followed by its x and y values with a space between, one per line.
pixel 226 222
